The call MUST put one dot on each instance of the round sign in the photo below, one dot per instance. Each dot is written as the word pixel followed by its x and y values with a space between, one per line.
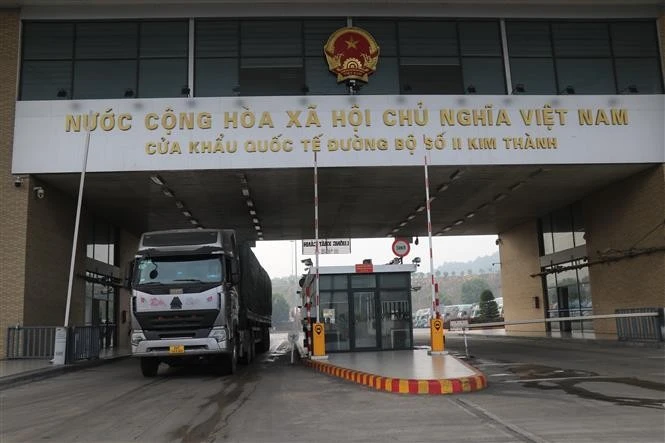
pixel 401 247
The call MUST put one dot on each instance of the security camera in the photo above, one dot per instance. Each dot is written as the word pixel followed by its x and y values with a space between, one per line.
pixel 39 192
pixel 18 181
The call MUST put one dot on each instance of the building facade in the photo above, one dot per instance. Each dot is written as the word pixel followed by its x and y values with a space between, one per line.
pixel 595 254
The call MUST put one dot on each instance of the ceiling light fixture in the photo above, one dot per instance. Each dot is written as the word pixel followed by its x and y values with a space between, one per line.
pixel 516 186
pixel 252 212
pixel 167 192
pixel 458 222
pixel 481 207
pixel 257 227
pixel 250 203
pixel 447 228
pixel 245 192
pixel 420 209
pixel 470 215
pixel 499 197
pixel 194 221
pixel 401 225
pixel 156 179
pixel 456 175
pixel 396 230
pixel 186 213
pixel 443 187
pixel 411 217
pixel 255 220
pixel 179 204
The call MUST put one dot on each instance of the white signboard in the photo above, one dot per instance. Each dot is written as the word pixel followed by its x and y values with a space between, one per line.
pixel 327 246
pixel 457 325
pixel 284 132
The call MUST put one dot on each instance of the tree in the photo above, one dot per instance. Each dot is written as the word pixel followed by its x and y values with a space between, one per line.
pixel 471 290
pixel 489 310
pixel 280 308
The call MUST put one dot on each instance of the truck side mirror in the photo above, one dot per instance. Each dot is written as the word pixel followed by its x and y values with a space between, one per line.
pixel 129 274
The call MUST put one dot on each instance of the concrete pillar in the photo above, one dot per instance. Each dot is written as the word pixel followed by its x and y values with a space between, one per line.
pixel 518 249
pixel 625 218
pixel 14 199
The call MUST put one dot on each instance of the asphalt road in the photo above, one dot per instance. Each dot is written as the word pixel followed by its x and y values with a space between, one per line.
pixel 539 391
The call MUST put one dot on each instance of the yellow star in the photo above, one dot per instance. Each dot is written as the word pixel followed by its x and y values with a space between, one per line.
pixel 351 43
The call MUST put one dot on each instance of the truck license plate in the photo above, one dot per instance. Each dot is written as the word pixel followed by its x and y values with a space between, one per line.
pixel 177 349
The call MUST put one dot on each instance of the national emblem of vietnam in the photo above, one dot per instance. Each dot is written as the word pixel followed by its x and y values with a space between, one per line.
pixel 352 54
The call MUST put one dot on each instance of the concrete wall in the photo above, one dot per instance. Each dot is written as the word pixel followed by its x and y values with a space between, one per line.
pixel 128 244
pixel 620 218
pixel 519 254
pixel 13 200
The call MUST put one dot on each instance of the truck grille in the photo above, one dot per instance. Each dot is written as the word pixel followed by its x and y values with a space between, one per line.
pixel 192 324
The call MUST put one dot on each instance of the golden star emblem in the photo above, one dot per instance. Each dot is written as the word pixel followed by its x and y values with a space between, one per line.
pixel 351 43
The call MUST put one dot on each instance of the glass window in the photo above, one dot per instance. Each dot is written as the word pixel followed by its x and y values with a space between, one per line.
pixel 485 74
pixel 588 76
pixel 395 280
pixel 164 39
pixel 431 79
pixel 320 80
pixel 634 39
pixel 280 80
pixel 48 41
pixel 363 281
pixel 581 39
pixel 267 38
pixel 562 230
pixel 548 243
pixel 529 39
pixel 639 75
pixel 480 38
pixel 395 320
pixel 335 312
pixel 46 80
pixel 535 74
pixel 119 77
pixel 106 40
pixel 216 38
pixel 425 38
pixel 384 32
pixel 317 33
pixel 578 225
pixel 216 77
pixel 385 80
pixel 162 77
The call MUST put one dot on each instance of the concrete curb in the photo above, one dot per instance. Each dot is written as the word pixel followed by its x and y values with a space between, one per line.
pixel 15 380
pixel 404 386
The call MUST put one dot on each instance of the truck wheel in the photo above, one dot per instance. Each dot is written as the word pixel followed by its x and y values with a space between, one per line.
pixel 149 366
pixel 248 348
pixel 226 364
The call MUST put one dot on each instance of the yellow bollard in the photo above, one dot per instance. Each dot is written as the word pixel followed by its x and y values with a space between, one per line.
pixel 318 340
pixel 437 339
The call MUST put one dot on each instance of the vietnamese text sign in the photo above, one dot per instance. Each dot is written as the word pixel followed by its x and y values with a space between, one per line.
pixel 327 246
pixel 389 130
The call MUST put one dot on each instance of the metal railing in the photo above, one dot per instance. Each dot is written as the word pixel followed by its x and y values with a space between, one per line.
pixel 38 342
pixel 30 342
pixel 640 328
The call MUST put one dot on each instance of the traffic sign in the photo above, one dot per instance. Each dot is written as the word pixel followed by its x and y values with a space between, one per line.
pixel 401 247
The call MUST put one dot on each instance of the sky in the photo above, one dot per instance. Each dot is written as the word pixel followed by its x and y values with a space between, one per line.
pixel 280 260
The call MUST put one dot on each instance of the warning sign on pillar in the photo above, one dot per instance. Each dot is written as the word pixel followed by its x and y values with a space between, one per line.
pixel 319 341
pixel 436 335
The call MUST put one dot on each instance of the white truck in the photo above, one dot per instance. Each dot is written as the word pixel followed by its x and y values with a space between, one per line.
pixel 198 295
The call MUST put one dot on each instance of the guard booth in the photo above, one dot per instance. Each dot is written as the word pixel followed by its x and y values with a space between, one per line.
pixel 364 307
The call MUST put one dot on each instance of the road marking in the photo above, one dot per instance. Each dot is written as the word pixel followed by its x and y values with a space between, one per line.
pixel 557 379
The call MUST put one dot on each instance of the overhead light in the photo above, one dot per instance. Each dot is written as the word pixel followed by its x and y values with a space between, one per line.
pixel 411 217
pixel 255 220
pixel 431 199
pixel 186 213
pixel 499 197
pixel 457 174
pixel 250 203
pixel 252 212
pixel 420 209
pixel 257 227
pixel 260 236
pixel 438 234
pixel 179 204
pixel 194 221
pixel 536 172
pixel 443 187
pixel 245 192
pixel 516 186
pixel 396 230
pixel 157 180
pixel 401 225
pixel 447 228
pixel 481 207
pixel 470 215
pixel 167 192
pixel 458 222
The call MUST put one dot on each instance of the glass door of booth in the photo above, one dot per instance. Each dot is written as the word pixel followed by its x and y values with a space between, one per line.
pixel 366 334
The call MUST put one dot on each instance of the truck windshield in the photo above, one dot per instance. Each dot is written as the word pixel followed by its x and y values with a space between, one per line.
pixel 178 270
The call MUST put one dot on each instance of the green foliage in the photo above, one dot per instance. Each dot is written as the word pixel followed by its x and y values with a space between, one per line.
pixel 472 289
pixel 280 308
pixel 489 310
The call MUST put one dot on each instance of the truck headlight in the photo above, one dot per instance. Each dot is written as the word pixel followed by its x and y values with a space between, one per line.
pixel 137 337
pixel 218 333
